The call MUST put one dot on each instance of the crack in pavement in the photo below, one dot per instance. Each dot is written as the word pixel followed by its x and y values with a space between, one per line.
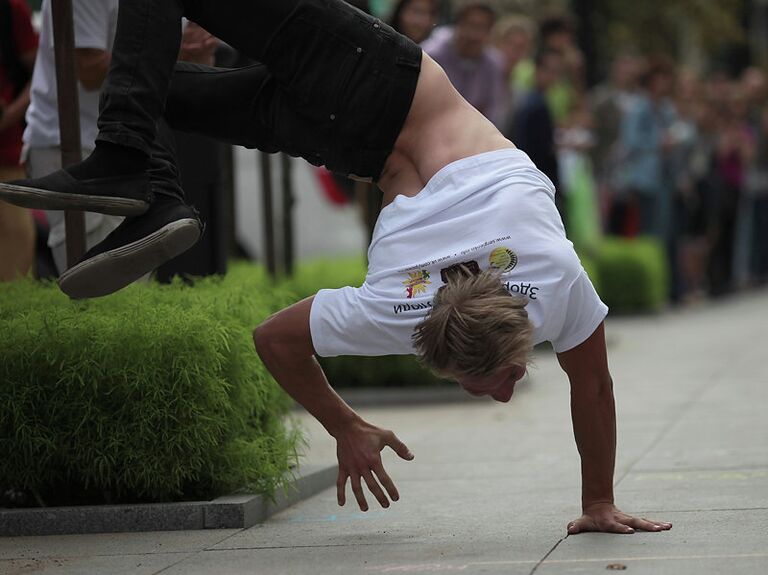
pixel 555 546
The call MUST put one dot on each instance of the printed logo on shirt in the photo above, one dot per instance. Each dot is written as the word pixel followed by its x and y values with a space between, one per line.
pixel 417 283
pixel 503 259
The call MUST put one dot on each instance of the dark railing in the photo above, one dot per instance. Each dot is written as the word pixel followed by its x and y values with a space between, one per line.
pixel 69 115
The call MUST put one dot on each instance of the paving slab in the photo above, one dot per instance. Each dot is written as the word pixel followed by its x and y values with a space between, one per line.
pixel 91 565
pixel 111 544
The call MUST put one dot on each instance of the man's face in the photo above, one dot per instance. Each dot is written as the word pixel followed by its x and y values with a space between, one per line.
pixel 473 32
pixel 418 19
pixel 500 385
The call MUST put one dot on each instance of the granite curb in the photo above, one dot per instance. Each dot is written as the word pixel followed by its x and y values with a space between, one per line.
pixel 237 511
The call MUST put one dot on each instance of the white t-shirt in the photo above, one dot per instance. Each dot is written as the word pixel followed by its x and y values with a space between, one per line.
pixel 496 210
pixel 95 23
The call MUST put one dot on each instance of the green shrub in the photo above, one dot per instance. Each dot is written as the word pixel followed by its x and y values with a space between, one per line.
pixel 633 275
pixel 152 394
pixel 326 274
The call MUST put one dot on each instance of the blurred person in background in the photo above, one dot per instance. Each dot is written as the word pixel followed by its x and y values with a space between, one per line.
pixel 735 152
pixel 18 46
pixel 701 228
pixel 644 190
pixel 474 67
pixel 414 19
pixel 557 33
pixel 532 127
pixel 761 207
pixel 610 103
pixel 95 22
pixel 514 38
pixel 755 88
pixel 685 231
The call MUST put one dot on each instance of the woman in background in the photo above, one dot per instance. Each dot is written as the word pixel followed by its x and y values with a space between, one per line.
pixel 414 18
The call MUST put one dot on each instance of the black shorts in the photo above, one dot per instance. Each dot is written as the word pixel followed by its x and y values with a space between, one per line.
pixel 344 84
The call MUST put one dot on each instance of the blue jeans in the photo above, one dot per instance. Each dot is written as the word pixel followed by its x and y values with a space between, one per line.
pixel 333 85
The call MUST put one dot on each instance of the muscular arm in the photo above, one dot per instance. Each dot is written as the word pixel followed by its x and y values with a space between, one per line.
pixel 593 415
pixel 594 426
pixel 284 344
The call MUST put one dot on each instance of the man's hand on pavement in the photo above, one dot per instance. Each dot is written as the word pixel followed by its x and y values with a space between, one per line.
pixel 606 518
pixel 358 449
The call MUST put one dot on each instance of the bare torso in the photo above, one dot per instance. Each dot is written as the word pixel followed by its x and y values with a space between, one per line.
pixel 441 128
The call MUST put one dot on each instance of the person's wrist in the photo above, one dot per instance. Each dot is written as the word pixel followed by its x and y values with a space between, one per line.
pixel 597 505
pixel 343 423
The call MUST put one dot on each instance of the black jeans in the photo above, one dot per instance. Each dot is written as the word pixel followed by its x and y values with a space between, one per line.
pixel 333 86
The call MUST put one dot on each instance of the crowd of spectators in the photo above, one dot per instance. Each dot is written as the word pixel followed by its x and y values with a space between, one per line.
pixel 656 149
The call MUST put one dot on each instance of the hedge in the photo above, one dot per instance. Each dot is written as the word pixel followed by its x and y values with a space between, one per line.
pixel 152 394
pixel 633 275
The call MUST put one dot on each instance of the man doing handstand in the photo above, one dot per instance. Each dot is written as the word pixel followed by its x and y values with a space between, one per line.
pixel 469 263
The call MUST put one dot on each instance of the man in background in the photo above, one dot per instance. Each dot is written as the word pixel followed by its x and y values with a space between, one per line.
pixel 18 45
pixel 95 22
pixel 474 67
pixel 533 127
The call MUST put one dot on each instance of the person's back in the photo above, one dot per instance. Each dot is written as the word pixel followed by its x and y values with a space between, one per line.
pixel 441 128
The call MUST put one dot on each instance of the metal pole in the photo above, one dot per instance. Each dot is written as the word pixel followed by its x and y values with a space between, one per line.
pixel 69 115
pixel 269 224
pixel 288 202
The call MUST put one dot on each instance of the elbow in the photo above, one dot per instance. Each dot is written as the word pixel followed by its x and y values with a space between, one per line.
pixel 264 341
pixel 273 342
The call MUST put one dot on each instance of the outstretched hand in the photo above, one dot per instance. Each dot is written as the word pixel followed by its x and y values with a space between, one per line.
pixel 606 518
pixel 358 449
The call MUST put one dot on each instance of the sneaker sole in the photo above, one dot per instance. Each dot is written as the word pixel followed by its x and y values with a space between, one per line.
pixel 37 199
pixel 113 270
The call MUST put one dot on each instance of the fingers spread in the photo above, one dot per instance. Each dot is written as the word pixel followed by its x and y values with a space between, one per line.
pixel 581 525
pixel 646 525
pixel 585 524
pixel 341 487
pixel 374 487
pixel 387 482
pixel 398 446
pixel 357 489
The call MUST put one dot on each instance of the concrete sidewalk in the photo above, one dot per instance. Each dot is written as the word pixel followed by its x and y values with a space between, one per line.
pixel 493 486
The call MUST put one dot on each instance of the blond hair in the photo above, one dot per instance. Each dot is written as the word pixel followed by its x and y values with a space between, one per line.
pixel 476 327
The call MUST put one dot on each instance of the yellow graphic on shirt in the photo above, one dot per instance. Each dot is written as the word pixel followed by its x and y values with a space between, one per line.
pixel 503 259
pixel 416 283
